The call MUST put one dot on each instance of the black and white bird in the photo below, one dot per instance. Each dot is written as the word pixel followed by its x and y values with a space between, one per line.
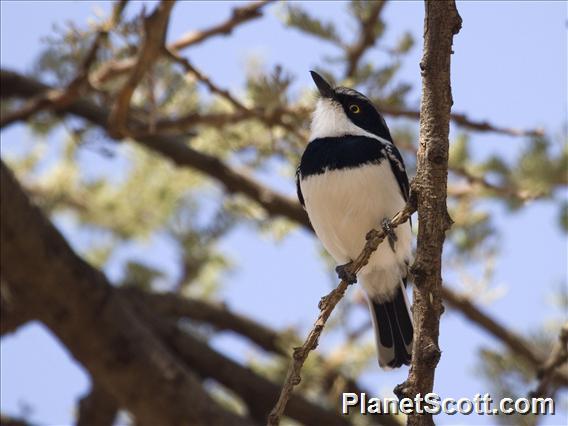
pixel 351 179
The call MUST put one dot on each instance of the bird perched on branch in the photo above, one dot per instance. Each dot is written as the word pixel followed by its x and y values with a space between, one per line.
pixel 351 179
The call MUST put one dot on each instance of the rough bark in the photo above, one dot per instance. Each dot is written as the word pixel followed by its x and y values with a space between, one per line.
pixel 169 305
pixel 258 393
pixel 136 353
pixel 441 22
pixel 100 329
pixel 13 313
pixel 97 408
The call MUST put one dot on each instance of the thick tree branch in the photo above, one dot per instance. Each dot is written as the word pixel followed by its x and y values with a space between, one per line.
pixel 12 421
pixel 173 148
pixel 172 306
pixel 441 23
pixel 69 297
pixel 257 392
pixel 106 307
pixel 327 305
pixel 155 28
pixel 13 313
pixel 169 305
pixel 97 407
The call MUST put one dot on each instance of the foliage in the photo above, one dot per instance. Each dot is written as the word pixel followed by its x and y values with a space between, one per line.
pixel 117 195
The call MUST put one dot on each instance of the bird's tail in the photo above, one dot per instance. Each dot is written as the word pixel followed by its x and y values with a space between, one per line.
pixel 393 329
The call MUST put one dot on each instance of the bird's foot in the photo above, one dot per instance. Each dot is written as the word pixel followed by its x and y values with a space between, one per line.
pixel 386 224
pixel 345 274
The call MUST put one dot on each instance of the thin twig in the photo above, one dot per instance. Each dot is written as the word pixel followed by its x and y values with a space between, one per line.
pixel 548 371
pixel 327 305
pixel 460 119
pixel 243 112
pixel 507 191
pixel 464 121
pixel 516 343
pixel 213 88
pixel 239 15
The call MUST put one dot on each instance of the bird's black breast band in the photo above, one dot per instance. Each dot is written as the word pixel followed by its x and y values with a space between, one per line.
pixel 347 152
pixel 336 153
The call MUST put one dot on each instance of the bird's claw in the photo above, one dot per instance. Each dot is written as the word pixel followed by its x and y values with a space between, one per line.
pixel 386 224
pixel 345 274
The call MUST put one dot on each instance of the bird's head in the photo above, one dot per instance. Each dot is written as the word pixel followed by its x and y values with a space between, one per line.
pixel 341 111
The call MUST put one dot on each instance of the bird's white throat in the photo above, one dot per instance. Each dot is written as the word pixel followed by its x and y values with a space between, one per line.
pixel 329 120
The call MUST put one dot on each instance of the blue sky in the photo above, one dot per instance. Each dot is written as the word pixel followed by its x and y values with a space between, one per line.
pixel 509 67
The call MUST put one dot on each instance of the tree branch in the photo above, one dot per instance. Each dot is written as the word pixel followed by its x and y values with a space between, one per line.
pixel 327 305
pixel 366 39
pixel 441 23
pixel 155 28
pixel 13 313
pixel 506 191
pixel 169 305
pixel 243 111
pixel 97 407
pixel 461 120
pixel 69 297
pixel 173 148
pixel 464 121
pixel 512 340
pixel 239 15
pixel 12 421
pixel 257 392
pixel 172 306
pixel 549 369
pixel 57 99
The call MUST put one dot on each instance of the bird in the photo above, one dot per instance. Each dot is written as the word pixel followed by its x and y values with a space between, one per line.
pixel 351 179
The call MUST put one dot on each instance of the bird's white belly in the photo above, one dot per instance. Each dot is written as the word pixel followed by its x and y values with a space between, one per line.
pixel 343 205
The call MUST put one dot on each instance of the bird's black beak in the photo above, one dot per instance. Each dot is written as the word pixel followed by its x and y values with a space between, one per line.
pixel 323 86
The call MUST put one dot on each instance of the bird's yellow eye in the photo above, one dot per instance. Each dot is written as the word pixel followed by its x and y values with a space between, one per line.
pixel 354 109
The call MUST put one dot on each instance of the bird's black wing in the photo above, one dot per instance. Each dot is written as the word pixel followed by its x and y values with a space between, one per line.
pixel 398 169
pixel 298 188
